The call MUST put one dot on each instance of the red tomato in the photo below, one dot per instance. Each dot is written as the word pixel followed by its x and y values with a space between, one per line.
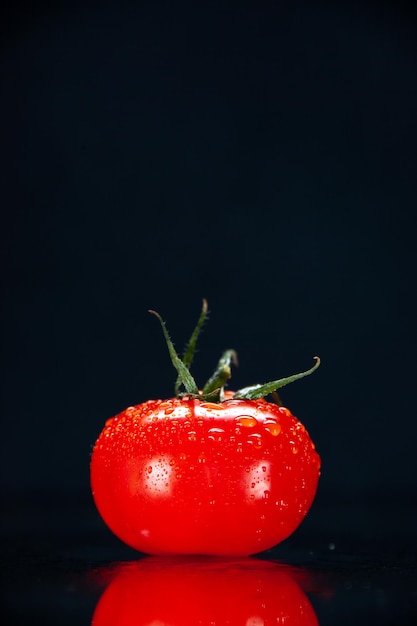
pixel 182 593
pixel 192 476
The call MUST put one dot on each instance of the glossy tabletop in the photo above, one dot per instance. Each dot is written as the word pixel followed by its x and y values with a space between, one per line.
pixel 348 563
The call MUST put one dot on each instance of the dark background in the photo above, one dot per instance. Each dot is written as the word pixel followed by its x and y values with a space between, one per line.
pixel 259 154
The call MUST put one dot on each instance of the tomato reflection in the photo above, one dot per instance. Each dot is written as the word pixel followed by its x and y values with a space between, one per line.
pixel 169 592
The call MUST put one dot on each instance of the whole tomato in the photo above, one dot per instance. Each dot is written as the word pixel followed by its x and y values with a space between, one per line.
pixel 207 472
pixel 222 592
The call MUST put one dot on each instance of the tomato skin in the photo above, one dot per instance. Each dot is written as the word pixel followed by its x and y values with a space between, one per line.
pixel 184 476
pixel 185 593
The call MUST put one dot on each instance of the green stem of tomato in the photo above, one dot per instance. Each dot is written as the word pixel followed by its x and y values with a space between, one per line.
pixel 214 388
pixel 183 373
pixel 220 376
pixel 260 391
pixel 188 355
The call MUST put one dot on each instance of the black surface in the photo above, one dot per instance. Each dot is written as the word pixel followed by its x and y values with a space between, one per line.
pixel 357 564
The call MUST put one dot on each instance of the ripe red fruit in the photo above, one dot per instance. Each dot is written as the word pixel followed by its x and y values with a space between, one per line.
pixel 207 472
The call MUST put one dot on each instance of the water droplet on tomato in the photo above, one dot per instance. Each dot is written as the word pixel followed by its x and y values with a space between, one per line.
pixel 192 435
pixel 267 493
pixel 201 458
pixel 272 427
pixel 264 468
pixel 247 421
pixel 169 410
pixel 212 406
pixel 149 469
pixel 215 434
pixel 255 440
pixel 294 450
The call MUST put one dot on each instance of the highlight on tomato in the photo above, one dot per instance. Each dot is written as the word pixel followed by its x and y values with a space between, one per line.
pixel 188 591
pixel 209 471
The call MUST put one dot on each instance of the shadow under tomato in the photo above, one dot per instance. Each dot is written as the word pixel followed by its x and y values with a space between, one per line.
pixel 157 591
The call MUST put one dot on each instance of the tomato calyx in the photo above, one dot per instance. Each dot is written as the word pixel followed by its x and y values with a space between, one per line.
pixel 213 390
